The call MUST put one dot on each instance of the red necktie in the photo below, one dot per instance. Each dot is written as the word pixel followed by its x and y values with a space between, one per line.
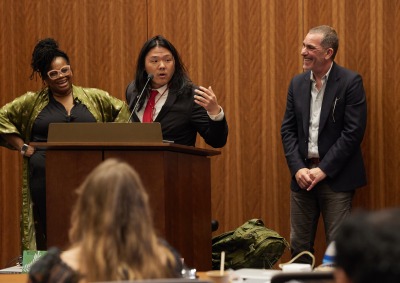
pixel 148 111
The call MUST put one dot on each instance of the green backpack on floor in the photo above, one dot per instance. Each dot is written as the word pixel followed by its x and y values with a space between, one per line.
pixel 252 245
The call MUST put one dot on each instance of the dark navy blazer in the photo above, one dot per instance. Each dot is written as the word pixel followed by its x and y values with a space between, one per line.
pixel 341 130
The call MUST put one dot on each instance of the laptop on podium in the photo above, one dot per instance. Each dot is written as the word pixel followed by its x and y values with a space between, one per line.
pixel 105 132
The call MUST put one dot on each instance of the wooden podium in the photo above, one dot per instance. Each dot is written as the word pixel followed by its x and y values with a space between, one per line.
pixel 176 177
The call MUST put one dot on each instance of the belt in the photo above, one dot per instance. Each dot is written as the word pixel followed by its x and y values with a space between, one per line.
pixel 314 161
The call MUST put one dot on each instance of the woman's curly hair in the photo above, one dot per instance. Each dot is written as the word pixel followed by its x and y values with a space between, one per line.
pixel 44 53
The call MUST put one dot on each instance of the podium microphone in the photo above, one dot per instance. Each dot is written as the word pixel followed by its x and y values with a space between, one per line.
pixel 149 77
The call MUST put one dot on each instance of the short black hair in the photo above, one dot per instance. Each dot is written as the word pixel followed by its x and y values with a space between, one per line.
pixel 368 246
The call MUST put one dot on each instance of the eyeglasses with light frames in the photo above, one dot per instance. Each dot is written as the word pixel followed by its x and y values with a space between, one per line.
pixel 55 74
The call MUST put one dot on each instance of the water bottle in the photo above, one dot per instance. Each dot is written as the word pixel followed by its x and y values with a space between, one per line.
pixel 329 257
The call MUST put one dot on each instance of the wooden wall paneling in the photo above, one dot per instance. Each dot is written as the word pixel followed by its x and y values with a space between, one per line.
pixel 247 50
pixel 389 115
pixel 239 47
pixel 218 67
pixel 287 33
pixel 12 81
pixel 364 54
pixel 101 39
pixel 206 48
pixel 111 35
pixel 253 103
pixel 10 206
pixel 368 33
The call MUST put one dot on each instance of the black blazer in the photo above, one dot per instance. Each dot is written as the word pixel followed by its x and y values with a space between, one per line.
pixel 341 129
pixel 181 119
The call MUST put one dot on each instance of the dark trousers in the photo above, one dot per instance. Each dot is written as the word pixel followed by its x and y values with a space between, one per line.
pixel 305 210
pixel 37 186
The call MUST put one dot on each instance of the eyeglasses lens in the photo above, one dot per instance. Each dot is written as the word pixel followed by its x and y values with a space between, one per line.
pixel 54 74
pixel 64 70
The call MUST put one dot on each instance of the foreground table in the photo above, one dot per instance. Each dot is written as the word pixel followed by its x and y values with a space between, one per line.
pixel 13 278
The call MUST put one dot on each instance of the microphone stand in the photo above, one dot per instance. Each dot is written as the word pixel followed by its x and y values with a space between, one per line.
pixel 149 77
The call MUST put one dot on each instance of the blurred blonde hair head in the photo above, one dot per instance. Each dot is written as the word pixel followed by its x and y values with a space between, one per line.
pixel 112 227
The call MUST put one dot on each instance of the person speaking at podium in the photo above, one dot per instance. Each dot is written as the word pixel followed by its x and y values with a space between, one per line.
pixel 26 119
pixel 182 109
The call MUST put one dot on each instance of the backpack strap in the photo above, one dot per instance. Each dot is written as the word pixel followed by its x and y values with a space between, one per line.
pixel 255 221
pixel 216 239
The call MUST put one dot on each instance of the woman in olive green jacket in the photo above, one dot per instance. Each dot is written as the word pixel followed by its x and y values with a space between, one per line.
pixel 27 118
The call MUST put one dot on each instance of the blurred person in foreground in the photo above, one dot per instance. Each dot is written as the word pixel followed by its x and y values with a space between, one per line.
pixel 26 119
pixel 322 131
pixel 182 109
pixel 368 248
pixel 112 234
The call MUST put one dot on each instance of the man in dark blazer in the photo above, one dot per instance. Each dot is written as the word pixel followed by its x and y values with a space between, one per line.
pixel 182 109
pixel 322 130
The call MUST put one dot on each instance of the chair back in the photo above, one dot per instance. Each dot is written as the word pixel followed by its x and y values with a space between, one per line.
pixel 166 280
pixel 304 277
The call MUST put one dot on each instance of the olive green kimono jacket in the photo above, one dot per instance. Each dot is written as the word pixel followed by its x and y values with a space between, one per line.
pixel 18 116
